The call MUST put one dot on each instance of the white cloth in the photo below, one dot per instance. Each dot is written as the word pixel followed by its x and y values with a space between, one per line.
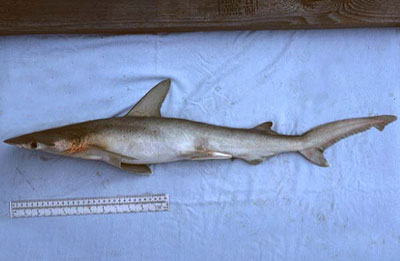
pixel 283 209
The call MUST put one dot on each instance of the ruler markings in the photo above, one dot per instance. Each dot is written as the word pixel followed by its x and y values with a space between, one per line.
pixel 88 206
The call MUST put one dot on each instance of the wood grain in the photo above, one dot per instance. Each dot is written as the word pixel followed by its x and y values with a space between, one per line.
pixel 135 16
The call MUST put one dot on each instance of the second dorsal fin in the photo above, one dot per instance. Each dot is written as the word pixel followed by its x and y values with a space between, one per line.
pixel 266 127
pixel 150 104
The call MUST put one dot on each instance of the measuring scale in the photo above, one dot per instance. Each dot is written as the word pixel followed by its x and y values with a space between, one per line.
pixel 89 206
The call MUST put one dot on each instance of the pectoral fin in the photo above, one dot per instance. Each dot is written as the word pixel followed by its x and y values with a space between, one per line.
pixel 97 153
pixel 115 159
pixel 150 104
pixel 136 169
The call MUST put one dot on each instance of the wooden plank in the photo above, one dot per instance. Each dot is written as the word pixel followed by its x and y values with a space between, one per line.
pixel 135 16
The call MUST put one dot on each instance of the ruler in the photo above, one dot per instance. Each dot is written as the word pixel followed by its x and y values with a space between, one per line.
pixel 89 206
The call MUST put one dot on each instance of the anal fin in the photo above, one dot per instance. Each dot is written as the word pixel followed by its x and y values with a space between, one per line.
pixel 254 162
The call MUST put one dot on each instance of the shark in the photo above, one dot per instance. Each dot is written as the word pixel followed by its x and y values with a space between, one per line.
pixel 143 137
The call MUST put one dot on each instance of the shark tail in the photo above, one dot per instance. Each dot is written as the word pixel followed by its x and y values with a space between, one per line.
pixel 321 137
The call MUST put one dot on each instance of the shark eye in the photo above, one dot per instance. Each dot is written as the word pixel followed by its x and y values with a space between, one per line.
pixel 34 145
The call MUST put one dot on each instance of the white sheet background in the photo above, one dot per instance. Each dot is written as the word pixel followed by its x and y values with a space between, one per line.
pixel 283 209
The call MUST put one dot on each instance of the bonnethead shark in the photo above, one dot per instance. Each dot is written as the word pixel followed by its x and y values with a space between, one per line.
pixel 144 137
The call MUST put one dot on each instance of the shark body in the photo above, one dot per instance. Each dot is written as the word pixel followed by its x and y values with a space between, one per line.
pixel 144 137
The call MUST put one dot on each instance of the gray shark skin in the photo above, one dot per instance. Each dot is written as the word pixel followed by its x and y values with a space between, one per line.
pixel 144 137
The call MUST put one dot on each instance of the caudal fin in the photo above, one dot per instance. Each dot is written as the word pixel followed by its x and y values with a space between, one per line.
pixel 321 137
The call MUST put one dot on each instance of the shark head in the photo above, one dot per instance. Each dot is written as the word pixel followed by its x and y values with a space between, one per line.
pixel 56 141
pixel 90 140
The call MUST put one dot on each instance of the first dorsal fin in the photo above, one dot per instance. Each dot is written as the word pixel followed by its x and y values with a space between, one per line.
pixel 266 127
pixel 150 104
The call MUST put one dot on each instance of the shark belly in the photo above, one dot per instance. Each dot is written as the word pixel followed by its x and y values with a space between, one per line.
pixel 148 141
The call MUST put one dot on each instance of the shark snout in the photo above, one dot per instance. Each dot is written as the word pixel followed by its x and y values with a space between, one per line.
pixel 28 142
pixel 22 142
